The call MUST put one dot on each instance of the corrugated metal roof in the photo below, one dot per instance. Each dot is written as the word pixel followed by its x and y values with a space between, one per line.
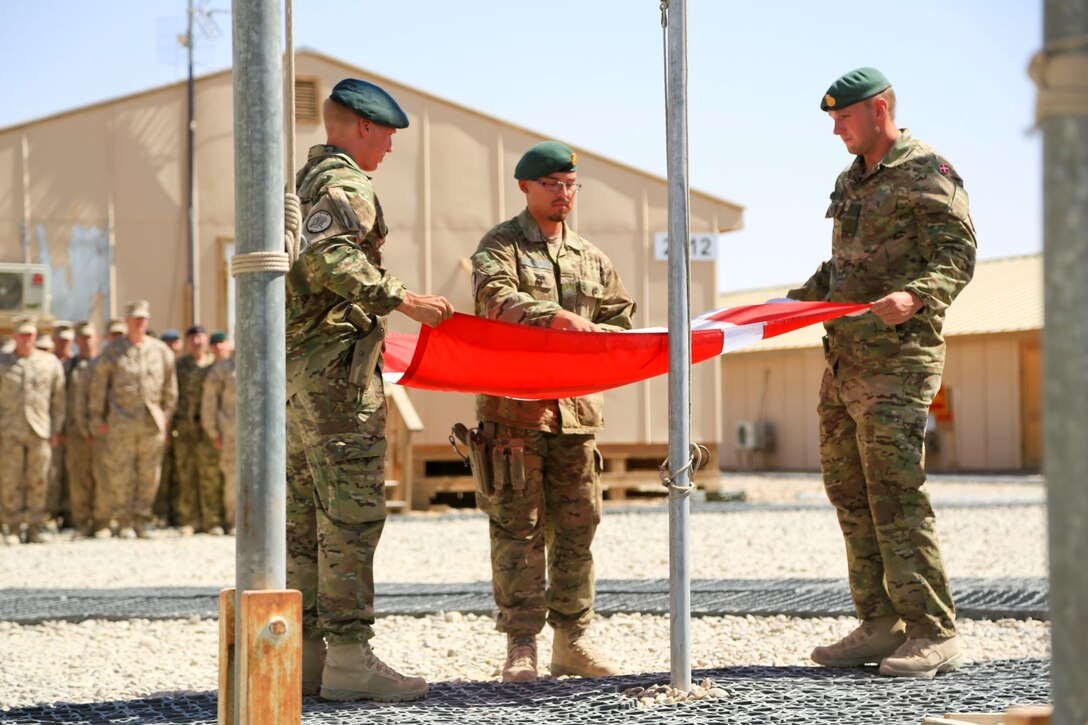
pixel 1006 295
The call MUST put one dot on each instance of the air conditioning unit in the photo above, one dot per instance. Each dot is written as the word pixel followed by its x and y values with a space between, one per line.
pixel 24 289
pixel 754 435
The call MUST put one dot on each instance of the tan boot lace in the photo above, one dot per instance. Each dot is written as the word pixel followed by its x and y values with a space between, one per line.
pixel 521 653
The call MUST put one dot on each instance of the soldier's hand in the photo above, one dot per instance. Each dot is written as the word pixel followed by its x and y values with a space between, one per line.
pixel 426 309
pixel 103 428
pixel 54 440
pixel 218 444
pixel 565 320
pixel 897 307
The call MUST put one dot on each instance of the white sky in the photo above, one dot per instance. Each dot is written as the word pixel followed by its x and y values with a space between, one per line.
pixel 590 73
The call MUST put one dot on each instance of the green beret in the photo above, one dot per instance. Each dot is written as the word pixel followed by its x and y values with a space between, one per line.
pixel 545 158
pixel 857 85
pixel 217 337
pixel 369 101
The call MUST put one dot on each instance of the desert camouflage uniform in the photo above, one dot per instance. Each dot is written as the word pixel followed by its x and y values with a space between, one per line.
pixel 133 391
pixel 217 417
pixel 198 498
pixel 335 430
pixel 904 225
pixel 515 279
pixel 31 413
pixel 82 491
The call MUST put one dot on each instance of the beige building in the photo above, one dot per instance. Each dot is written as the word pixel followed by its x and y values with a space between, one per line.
pixel 990 415
pixel 98 195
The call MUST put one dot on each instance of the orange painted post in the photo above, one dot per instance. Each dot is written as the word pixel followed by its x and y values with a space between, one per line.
pixel 226 657
pixel 269 657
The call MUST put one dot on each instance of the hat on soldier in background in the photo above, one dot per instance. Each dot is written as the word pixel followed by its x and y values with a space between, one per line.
pixel 195 330
pixel 217 337
pixel 170 335
pixel 84 329
pixel 547 157
pixel 63 330
pixel 369 101
pixel 45 343
pixel 138 308
pixel 25 325
pixel 857 85
pixel 117 325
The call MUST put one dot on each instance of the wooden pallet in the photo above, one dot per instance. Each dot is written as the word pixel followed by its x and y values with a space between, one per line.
pixel 629 469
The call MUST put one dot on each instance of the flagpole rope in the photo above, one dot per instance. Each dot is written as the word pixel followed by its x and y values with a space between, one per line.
pixel 698 457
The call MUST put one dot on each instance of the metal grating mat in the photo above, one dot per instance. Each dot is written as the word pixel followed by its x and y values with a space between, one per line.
pixel 757 695
pixel 975 599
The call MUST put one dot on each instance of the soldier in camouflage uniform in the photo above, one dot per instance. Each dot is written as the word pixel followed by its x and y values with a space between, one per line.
pixel 31 420
pixel 542 492
pixel 903 240
pixel 337 292
pixel 89 514
pixel 217 417
pixel 57 504
pixel 168 484
pixel 197 501
pixel 132 396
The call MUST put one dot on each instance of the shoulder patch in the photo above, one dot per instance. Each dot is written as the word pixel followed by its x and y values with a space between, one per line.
pixel 319 221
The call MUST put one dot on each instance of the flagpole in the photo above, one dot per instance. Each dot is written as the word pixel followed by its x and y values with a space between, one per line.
pixel 679 472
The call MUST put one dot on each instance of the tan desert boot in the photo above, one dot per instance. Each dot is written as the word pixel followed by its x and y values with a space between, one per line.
pixel 872 641
pixel 520 658
pixel 354 672
pixel 923 658
pixel 574 654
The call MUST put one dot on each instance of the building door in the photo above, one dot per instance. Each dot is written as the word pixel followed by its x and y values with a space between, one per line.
pixel 1031 404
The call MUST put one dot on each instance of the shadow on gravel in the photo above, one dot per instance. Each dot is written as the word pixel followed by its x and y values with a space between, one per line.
pixel 760 695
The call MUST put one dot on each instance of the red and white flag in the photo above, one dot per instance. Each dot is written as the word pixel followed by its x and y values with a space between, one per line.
pixel 469 354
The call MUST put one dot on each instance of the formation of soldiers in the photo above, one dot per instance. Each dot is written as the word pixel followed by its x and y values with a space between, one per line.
pixel 115 438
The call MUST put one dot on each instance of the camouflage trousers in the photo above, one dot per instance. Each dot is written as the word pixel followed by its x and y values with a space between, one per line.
pixel 56 492
pixel 166 495
pixel 84 499
pixel 130 461
pixel 335 502
pixel 542 532
pixel 227 467
pixel 198 496
pixel 24 475
pixel 872 430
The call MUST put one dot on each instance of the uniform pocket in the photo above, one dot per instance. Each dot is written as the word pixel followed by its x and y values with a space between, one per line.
pixel 352 485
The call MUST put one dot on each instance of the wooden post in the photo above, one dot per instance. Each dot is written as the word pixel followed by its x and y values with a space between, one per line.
pixel 262 670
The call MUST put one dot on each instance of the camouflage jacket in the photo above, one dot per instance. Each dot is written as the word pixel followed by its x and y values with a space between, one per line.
pixel 515 279
pixel 904 225
pixel 190 373
pixel 128 379
pixel 32 391
pixel 219 399
pixel 340 264
pixel 78 380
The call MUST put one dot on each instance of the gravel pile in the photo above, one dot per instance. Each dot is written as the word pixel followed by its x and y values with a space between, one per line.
pixel 102 661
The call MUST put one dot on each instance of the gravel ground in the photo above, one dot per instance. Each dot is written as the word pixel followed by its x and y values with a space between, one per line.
pixel 102 661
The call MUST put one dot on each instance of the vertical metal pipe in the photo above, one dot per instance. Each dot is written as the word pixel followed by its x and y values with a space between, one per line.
pixel 190 227
pixel 260 553
pixel 679 348
pixel 1065 344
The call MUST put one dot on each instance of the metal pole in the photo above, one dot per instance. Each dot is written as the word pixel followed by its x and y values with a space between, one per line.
pixel 1065 344
pixel 260 553
pixel 679 350
pixel 191 211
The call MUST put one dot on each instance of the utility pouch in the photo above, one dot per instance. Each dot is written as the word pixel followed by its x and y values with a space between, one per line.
pixel 500 464
pixel 516 448
pixel 368 347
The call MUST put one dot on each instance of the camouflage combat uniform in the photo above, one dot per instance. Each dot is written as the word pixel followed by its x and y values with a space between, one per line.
pixel 133 391
pixel 217 417
pixel 904 225
pixel 86 507
pixel 335 429
pixel 31 413
pixel 558 505
pixel 198 498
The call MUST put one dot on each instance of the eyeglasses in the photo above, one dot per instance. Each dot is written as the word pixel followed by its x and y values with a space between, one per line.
pixel 554 186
